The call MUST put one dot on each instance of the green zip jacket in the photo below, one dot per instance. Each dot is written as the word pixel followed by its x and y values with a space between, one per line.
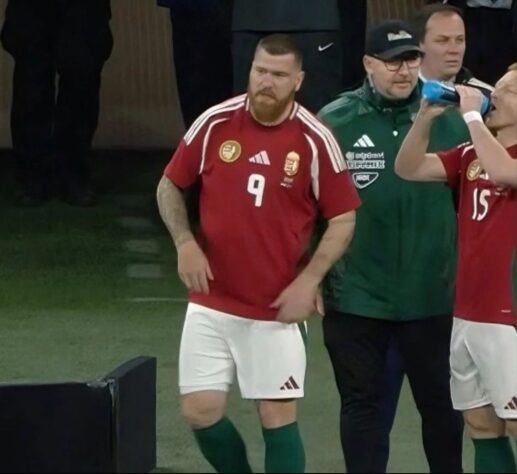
pixel 400 265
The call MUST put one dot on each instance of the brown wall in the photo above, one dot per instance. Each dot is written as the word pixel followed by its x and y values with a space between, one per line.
pixel 139 104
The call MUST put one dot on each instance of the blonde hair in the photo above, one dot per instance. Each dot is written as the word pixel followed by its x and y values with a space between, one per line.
pixel 512 67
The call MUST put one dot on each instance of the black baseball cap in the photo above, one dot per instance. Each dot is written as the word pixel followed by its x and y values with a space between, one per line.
pixel 391 39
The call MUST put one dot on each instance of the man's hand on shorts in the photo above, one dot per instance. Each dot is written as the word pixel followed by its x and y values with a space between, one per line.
pixel 298 301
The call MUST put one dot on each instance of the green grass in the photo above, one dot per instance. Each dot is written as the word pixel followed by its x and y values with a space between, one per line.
pixel 66 317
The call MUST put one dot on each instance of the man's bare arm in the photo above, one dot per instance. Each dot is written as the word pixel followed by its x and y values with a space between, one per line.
pixel 193 267
pixel 332 245
pixel 413 162
pixel 173 211
pixel 496 161
pixel 299 300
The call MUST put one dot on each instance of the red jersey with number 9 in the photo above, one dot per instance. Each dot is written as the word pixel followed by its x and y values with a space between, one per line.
pixel 487 239
pixel 261 190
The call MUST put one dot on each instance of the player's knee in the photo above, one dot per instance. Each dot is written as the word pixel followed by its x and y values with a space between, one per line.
pixel 276 413
pixel 484 423
pixel 199 414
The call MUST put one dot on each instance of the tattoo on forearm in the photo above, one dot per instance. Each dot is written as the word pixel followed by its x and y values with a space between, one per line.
pixel 173 211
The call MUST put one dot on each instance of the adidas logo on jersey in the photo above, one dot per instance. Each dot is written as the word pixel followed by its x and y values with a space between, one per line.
pixel 260 159
pixel 290 385
pixel 364 142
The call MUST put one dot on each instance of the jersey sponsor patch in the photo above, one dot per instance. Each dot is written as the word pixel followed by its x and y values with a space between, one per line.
pixel 292 163
pixel 230 151
pixel 474 170
pixel 367 160
pixel 362 180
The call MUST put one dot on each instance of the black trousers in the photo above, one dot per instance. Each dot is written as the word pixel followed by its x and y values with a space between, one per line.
pixel 353 14
pixel 202 57
pixel 70 38
pixel 357 347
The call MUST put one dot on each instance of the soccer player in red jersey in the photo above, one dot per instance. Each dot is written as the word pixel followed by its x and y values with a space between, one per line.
pixel 266 168
pixel 484 338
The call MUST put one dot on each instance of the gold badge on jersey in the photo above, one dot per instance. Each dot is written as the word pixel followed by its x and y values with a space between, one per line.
pixel 292 163
pixel 474 170
pixel 230 151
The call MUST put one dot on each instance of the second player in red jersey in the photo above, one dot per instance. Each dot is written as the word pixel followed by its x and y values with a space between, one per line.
pixel 487 236
pixel 484 339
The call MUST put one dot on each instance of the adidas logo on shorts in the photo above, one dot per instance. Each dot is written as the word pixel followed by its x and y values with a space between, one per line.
pixel 512 404
pixel 290 385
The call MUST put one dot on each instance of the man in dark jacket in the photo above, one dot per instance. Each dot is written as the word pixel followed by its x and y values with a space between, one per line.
pixel 441 33
pixel 392 283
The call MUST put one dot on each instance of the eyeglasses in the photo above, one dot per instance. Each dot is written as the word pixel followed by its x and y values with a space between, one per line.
pixel 394 65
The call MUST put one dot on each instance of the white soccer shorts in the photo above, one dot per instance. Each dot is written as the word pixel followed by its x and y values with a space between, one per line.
pixel 483 367
pixel 268 356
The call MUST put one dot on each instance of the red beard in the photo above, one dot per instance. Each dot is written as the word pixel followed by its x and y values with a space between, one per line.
pixel 271 109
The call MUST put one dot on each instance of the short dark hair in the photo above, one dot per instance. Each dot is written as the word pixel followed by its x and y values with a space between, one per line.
pixel 422 17
pixel 279 44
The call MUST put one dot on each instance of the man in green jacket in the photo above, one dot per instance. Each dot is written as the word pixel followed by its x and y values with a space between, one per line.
pixel 396 279
pixel 441 32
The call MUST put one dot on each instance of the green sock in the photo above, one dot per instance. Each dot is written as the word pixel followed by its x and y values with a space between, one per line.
pixel 284 449
pixel 223 447
pixel 494 455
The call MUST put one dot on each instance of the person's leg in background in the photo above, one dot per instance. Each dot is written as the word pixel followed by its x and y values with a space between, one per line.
pixel 84 44
pixel 28 35
pixel 201 43
pixel 391 385
pixel 353 16
pixel 357 347
pixel 322 56
pixel 425 347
